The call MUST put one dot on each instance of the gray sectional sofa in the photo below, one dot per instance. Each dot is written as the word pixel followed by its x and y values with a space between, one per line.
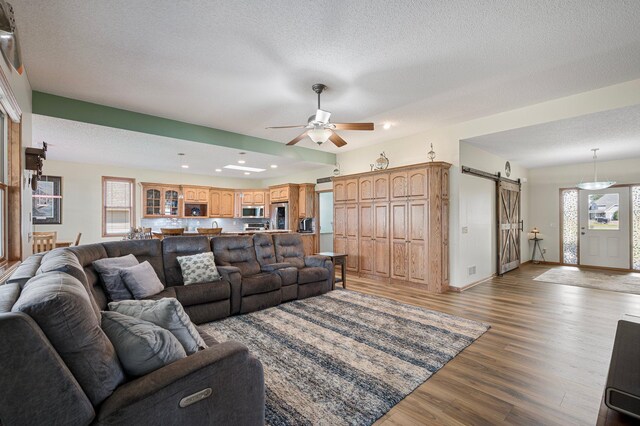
pixel 42 382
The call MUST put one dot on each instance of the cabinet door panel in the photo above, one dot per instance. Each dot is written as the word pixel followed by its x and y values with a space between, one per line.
pixel 152 202
pixel 366 221
pixel 366 188
pixel 366 255
pixel 203 195
pixel 190 194
pixel 339 192
pixel 381 257
pixel 399 223
pixel 418 214
pixel 399 260
pixel 352 220
pixel 215 204
pixel 352 251
pixel 381 221
pixel 258 198
pixel 340 221
pixel 445 183
pixel 417 261
pixel 351 189
pixel 418 183
pixel 339 245
pixel 381 187
pixel 398 185
pixel 226 203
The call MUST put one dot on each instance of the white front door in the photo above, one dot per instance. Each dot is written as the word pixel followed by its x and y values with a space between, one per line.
pixel 604 228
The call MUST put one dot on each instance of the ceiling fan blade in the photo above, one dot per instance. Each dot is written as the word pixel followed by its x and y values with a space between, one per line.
pixel 322 116
pixel 353 126
pixel 337 140
pixel 287 127
pixel 298 138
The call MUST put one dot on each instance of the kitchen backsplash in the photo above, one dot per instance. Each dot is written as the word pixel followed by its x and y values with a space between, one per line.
pixel 191 224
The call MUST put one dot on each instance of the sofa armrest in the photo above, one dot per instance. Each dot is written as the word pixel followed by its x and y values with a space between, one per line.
pixel 317 260
pixel 275 266
pixel 234 377
pixel 233 275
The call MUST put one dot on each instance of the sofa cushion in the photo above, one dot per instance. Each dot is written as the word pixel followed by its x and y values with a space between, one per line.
pixel 86 254
pixel 149 250
pixel 142 347
pixel 60 305
pixel 180 246
pixel 141 280
pixel 260 283
pixel 26 270
pixel 109 271
pixel 208 339
pixel 166 313
pixel 312 274
pixel 236 251
pixel 289 249
pixel 198 268
pixel 9 293
pixel 265 253
pixel 196 294
pixel 288 276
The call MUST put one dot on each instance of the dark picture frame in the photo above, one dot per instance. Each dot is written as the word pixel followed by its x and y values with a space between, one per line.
pixel 46 201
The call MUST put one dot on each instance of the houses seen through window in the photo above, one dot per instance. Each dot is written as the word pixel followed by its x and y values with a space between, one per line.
pixel 604 211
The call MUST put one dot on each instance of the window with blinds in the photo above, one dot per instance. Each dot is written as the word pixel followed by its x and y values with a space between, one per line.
pixel 117 206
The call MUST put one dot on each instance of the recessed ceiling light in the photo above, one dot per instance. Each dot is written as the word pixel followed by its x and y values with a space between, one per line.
pixel 247 173
pixel 386 126
pixel 241 161
pixel 218 170
pixel 274 166
pixel 185 166
pixel 243 168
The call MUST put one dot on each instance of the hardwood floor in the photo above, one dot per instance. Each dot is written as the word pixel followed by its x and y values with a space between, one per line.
pixel 544 360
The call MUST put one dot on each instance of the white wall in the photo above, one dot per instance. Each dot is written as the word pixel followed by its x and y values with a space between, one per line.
pixel 82 194
pixel 544 194
pixel 478 246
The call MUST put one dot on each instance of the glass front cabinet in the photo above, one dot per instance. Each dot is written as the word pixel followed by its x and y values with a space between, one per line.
pixel 160 201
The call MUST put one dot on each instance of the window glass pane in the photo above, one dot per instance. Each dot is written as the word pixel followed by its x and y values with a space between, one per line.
pixel 570 226
pixel 118 218
pixel 604 211
pixel 118 194
pixel 635 224
pixel 118 221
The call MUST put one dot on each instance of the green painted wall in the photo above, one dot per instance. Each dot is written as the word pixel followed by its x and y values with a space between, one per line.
pixel 86 112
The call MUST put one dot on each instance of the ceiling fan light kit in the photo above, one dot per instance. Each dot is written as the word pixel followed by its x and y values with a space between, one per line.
pixel 595 184
pixel 319 129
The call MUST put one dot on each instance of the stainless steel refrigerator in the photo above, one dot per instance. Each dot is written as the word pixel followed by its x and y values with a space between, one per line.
pixel 280 216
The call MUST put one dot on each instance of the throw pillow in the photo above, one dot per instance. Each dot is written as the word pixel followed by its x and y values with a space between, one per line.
pixel 167 313
pixel 141 280
pixel 60 305
pixel 198 268
pixel 142 347
pixel 109 270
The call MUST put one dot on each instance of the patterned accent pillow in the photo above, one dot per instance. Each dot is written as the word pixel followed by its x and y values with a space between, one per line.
pixel 198 268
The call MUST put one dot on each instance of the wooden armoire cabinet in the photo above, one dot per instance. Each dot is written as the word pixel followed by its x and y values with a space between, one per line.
pixel 394 224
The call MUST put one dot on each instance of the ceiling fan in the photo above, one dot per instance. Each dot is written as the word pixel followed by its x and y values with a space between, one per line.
pixel 319 129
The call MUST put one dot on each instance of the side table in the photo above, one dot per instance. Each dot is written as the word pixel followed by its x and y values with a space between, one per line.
pixel 338 259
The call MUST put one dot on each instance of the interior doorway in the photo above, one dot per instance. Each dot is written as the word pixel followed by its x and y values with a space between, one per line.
pixel 605 228
pixel 325 219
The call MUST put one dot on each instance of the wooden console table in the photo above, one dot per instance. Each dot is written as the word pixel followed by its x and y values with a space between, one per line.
pixel 338 259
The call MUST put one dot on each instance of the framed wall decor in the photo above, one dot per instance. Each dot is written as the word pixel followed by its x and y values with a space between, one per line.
pixel 47 201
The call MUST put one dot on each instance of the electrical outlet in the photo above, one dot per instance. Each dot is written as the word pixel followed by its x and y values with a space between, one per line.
pixel 465 229
pixel 544 251
pixel 472 270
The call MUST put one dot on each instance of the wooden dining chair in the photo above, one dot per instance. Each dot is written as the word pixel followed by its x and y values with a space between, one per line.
pixel 210 232
pixel 146 233
pixel 168 232
pixel 77 242
pixel 44 241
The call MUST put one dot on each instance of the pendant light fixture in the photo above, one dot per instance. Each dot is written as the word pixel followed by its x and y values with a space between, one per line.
pixel 595 185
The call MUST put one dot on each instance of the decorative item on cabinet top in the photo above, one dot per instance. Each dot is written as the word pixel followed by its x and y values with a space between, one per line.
pixel 382 163
pixel 431 155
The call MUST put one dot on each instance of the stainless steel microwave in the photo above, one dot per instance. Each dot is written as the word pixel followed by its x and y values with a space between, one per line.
pixel 252 211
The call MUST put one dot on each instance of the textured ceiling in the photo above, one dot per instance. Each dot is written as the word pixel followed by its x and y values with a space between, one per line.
pixel 615 132
pixel 244 65
pixel 86 143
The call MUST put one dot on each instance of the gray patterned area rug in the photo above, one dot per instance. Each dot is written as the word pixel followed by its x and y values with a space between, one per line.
pixel 603 280
pixel 345 357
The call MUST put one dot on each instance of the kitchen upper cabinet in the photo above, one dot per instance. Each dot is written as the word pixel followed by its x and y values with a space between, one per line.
pixel 226 203
pixel 381 187
pixel 366 188
pixel 398 185
pixel 160 201
pixel 306 196
pixel 259 198
pixel 417 183
pixel 194 194
pixel 253 198
pixel 247 198
pixel 279 194
pixel 345 190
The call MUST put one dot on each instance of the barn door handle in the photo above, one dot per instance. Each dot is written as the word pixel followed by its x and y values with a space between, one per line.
pixel 522 225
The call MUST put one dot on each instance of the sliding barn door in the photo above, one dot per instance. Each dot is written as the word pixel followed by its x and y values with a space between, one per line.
pixel 508 199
